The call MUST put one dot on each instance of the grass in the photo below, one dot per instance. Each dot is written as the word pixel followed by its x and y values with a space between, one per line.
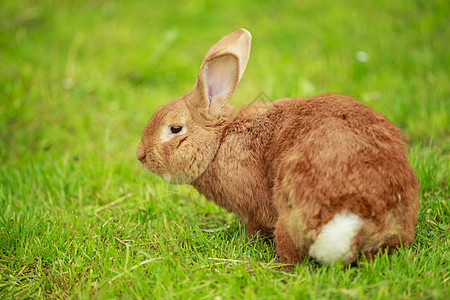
pixel 79 218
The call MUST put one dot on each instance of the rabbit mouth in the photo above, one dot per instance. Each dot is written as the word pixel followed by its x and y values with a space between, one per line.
pixel 141 153
pixel 142 159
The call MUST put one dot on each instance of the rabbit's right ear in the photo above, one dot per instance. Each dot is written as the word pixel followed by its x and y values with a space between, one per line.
pixel 221 71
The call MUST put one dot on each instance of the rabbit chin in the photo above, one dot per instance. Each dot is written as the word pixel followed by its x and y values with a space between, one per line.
pixel 171 179
pixel 179 179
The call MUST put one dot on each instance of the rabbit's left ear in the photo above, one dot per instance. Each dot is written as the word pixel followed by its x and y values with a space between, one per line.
pixel 221 70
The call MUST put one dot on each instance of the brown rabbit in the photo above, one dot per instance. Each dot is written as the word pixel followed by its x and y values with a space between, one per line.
pixel 327 176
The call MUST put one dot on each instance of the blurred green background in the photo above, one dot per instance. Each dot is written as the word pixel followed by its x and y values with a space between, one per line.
pixel 78 74
pixel 79 81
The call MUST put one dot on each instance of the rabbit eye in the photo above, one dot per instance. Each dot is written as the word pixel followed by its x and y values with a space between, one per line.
pixel 176 129
pixel 172 131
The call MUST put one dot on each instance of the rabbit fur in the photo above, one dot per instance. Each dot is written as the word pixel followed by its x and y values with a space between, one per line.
pixel 326 176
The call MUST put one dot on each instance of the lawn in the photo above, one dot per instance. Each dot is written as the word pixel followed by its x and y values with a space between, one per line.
pixel 80 218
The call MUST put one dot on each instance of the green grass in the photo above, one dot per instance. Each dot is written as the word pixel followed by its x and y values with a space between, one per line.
pixel 79 217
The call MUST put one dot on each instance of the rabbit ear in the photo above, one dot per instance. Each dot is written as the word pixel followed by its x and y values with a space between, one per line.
pixel 221 70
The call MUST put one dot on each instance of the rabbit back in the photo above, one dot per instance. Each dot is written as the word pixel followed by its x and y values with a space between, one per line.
pixel 344 164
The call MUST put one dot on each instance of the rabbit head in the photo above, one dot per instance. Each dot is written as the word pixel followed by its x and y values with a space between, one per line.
pixel 183 136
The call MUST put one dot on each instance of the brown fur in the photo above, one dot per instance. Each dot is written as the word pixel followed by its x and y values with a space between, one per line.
pixel 286 168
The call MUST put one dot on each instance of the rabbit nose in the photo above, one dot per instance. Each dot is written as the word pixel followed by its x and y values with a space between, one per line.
pixel 140 152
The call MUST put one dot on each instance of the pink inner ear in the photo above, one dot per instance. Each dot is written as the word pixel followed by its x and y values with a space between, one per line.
pixel 220 78
pixel 210 94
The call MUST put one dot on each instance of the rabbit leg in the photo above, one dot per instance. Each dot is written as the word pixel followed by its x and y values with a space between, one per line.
pixel 288 251
pixel 396 230
pixel 254 228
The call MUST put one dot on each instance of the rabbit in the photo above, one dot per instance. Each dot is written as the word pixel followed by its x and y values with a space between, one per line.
pixel 326 177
